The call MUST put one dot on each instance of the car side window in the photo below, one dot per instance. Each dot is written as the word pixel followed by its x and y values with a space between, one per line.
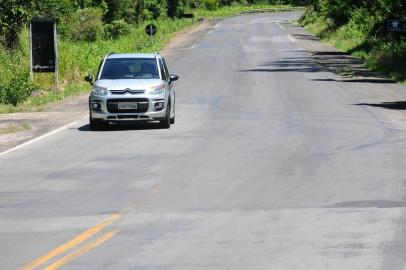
pixel 163 71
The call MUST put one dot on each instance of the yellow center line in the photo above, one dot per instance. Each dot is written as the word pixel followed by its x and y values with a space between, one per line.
pixel 64 260
pixel 72 243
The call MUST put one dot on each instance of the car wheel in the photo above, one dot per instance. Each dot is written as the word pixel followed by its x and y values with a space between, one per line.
pixel 173 119
pixel 174 114
pixel 166 122
pixel 96 124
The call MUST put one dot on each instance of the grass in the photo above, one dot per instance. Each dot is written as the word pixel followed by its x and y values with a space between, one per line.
pixel 380 55
pixel 10 129
pixel 78 59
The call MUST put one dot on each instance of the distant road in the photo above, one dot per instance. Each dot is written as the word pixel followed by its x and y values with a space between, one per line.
pixel 270 165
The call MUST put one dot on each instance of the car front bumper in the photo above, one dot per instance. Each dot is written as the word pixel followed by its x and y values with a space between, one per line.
pixel 148 108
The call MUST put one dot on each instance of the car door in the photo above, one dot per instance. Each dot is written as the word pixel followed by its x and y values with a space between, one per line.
pixel 171 85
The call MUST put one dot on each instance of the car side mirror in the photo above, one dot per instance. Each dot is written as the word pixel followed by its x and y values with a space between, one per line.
pixel 89 79
pixel 173 78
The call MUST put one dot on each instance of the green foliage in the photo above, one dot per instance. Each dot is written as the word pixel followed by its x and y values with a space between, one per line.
pixel 82 20
pixel 116 29
pixel 210 4
pixel 175 8
pixel 360 28
pixel 389 58
pixel 17 90
pixel 51 8
pixel 119 9
pixel 157 8
pixel 13 15
pixel 86 25
pixel 81 4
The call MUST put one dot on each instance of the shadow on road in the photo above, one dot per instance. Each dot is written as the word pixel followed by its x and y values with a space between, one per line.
pixel 305 37
pixel 341 63
pixel 357 80
pixel 289 64
pixel 281 70
pixel 396 105
pixel 349 69
pixel 121 127
pixel 369 203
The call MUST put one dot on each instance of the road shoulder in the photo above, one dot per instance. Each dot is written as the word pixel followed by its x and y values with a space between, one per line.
pixel 346 67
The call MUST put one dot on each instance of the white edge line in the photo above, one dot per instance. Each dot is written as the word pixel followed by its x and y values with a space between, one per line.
pixel 280 26
pixel 193 46
pixel 292 39
pixel 40 137
pixel 217 25
pixel 211 31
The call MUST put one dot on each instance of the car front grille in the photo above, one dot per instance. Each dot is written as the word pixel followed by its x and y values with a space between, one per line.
pixel 142 105
pixel 127 91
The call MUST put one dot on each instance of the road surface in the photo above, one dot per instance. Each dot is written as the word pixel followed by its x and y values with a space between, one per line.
pixel 271 165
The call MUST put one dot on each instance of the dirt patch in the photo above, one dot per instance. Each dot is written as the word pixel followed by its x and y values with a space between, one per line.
pixel 55 115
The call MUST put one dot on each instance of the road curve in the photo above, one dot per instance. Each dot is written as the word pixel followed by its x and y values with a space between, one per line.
pixel 272 164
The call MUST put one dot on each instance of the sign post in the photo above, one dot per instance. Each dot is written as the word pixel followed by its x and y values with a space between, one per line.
pixel 151 30
pixel 43 48
pixel 396 28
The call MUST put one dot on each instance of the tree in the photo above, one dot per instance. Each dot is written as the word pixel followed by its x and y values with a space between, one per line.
pixel 52 8
pixel 174 8
pixel 13 15
pixel 119 9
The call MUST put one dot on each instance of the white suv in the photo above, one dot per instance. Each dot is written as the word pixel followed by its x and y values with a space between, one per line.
pixel 132 87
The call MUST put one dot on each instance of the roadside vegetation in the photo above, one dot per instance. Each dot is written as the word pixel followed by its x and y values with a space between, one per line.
pixel 87 31
pixel 361 29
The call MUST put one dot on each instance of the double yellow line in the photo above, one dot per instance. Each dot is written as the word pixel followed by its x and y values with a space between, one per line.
pixel 74 243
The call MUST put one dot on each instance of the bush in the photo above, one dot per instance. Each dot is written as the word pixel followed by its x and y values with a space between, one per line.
pixel 159 8
pixel 211 4
pixel 119 9
pixel 17 90
pixel 175 8
pixel 52 8
pixel 390 58
pixel 116 29
pixel 13 15
pixel 86 25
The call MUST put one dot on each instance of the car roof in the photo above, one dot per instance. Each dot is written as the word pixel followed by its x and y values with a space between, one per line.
pixel 132 55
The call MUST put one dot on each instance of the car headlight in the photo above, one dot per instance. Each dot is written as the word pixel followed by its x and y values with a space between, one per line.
pixel 157 90
pixel 99 91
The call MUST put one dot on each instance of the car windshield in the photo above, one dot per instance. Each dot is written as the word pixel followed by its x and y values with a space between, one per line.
pixel 130 68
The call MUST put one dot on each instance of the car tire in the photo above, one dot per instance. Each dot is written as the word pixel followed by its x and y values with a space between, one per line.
pixel 173 119
pixel 174 114
pixel 96 124
pixel 166 122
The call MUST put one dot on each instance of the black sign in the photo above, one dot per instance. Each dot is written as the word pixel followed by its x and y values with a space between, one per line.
pixel 150 29
pixel 397 26
pixel 188 15
pixel 43 46
pixel 193 5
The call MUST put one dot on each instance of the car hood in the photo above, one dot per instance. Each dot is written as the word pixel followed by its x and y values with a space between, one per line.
pixel 133 84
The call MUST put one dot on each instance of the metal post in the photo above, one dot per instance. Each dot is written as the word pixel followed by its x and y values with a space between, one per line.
pixel 152 36
pixel 31 63
pixel 56 57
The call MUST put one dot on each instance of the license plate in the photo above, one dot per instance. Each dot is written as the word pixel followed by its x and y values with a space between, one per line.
pixel 127 106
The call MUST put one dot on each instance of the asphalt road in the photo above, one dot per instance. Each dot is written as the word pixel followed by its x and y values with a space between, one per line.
pixel 270 165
